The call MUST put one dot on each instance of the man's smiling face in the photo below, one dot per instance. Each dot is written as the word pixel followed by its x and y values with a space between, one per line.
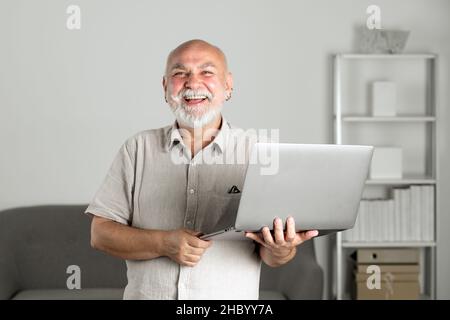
pixel 196 83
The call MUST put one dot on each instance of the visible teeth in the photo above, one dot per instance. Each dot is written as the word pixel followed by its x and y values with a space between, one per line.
pixel 195 97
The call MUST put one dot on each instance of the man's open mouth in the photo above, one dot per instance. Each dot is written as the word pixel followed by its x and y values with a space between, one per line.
pixel 194 100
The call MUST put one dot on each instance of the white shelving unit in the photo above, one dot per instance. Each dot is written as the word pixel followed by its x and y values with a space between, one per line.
pixel 405 181
pixel 396 244
pixel 388 119
pixel 417 115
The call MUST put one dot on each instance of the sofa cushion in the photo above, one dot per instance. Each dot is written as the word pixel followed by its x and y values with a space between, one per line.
pixel 39 244
pixel 42 242
pixel 103 294
pixel 271 295
pixel 65 294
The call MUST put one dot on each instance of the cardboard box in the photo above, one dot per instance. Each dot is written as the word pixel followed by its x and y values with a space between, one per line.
pixel 393 268
pixel 387 256
pixel 396 290
pixel 389 277
pixel 393 282
pixel 387 274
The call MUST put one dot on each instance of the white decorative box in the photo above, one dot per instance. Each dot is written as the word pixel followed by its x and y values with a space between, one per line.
pixel 384 99
pixel 386 163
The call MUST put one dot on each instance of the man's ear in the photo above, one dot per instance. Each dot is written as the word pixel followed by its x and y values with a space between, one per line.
pixel 229 83
pixel 164 84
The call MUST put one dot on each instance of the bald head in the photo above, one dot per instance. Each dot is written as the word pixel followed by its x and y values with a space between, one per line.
pixel 194 46
pixel 197 83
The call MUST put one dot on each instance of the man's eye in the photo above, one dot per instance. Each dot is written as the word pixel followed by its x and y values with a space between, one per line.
pixel 178 74
pixel 207 73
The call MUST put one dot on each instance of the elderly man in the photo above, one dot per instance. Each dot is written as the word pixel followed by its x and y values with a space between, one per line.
pixel 158 195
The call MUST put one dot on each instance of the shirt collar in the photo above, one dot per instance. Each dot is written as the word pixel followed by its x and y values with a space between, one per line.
pixel 220 141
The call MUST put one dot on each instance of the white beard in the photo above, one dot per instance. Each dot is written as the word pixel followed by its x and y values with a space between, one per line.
pixel 191 119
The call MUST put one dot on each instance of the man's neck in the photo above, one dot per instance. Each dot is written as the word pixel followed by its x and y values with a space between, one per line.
pixel 199 138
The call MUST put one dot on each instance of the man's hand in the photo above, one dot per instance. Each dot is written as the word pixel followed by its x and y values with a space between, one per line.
pixel 184 247
pixel 281 248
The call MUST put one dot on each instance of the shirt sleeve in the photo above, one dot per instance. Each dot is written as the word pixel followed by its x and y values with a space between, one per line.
pixel 114 198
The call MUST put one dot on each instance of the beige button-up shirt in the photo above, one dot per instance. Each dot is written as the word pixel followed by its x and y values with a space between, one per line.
pixel 154 184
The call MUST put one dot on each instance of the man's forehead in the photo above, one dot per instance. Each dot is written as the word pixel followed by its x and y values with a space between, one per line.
pixel 196 55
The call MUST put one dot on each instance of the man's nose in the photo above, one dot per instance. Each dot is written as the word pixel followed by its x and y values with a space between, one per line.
pixel 192 82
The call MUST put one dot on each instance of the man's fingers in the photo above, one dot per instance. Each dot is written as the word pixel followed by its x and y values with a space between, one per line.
pixel 198 243
pixel 310 234
pixel 189 264
pixel 305 236
pixel 256 238
pixel 194 241
pixel 290 229
pixel 195 251
pixel 191 258
pixel 278 231
pixel 267 236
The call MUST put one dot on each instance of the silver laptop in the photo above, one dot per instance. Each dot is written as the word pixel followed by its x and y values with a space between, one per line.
pixel 319 185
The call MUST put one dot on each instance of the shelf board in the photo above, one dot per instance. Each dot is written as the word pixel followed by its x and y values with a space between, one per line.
pixel 404 181
pixel 389 119
pixel 388 56
pixel 396 244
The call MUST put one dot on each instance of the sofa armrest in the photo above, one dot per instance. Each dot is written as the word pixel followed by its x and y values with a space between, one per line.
pixel 8 285
pixel 299 279
pixel 309 284
pixel 8 272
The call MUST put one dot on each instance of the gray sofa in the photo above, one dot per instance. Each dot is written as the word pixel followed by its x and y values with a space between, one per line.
pixel 37 244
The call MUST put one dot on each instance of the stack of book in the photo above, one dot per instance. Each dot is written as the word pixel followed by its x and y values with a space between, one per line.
pixel 387 274
pixel 408 216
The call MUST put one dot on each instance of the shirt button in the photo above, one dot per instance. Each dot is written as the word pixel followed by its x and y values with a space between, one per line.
pixel 191 191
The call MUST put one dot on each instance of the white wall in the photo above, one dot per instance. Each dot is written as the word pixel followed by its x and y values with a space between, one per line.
pixel 68 99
